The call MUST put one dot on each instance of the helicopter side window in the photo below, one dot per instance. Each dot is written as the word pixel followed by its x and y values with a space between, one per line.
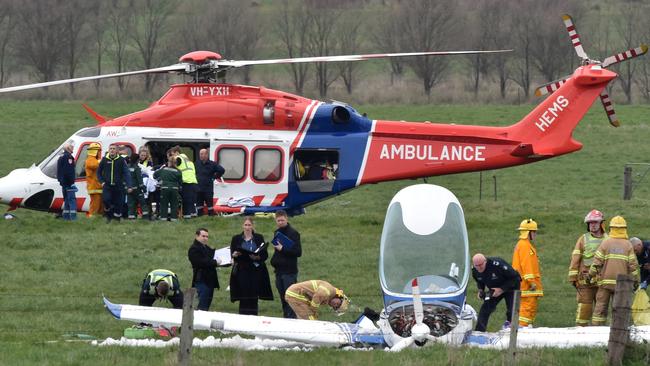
pixel 49 167
pixel 267 164
pixel 81 161
pixel 233 160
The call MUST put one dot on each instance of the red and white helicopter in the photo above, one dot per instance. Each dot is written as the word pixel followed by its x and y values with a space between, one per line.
pixel 283 151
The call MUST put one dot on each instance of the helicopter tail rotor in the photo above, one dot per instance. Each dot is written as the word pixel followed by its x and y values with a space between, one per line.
pixel 550 88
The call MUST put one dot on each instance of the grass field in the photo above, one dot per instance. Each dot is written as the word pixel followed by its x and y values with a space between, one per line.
pixel 54 273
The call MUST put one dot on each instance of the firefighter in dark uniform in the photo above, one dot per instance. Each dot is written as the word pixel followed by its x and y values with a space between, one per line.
pixel 206 172
pixel 113 174
pixel 501 281
pixel 161 284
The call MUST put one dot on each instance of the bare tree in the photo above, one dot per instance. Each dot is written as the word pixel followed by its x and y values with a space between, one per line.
pixel 41 36
pixel 98 24
pixel 75 17
pixel 480 35
pixel 499 37
pixel 629 28
pixel 7 26
pixel 523 20
pixel 149 24
pixel 291 27
pixel 321 40
pixel 119 28
pixel 427 26
pixel 385 36
pixel 234 34
pixel 552 52
pixel 348 34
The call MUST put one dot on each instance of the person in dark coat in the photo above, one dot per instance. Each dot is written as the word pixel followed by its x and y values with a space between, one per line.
pixel 204 268
pixel 113 173
pixel 285 260
pixel 642 251
pixel 65 174
pixel 206 172
pixel 501 281
pixel 249 279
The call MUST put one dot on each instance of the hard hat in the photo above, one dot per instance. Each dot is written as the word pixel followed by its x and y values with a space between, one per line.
pixel 594 216
pixel 345 302
pixel 617 221
pixel 528 225
pixel 94 146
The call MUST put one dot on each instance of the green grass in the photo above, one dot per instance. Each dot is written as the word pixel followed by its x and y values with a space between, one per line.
pixel 54 273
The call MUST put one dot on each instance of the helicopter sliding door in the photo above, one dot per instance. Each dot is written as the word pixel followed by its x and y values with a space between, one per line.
pixel 315 170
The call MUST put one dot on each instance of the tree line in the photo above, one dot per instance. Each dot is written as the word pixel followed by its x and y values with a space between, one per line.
pixel 43 40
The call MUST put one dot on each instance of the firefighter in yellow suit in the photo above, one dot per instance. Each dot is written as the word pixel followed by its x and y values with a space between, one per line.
pixel 526 262
pixel 614 256
pixel 305 298
pixel 581 259
pixel 92 183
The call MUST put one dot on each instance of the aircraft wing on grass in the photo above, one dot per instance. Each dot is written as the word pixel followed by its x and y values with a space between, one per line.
pixel 313 332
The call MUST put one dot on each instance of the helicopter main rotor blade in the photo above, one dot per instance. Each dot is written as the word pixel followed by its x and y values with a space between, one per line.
pixel 344 58
pixel 575 37
pixel 164 69
pixel 624 56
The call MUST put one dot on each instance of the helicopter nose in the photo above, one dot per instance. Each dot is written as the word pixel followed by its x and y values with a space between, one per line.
pixel 13 187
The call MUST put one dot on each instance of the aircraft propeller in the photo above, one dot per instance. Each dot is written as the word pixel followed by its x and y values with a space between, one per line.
pixel 551 87
pixel 420 332
pixel 203 66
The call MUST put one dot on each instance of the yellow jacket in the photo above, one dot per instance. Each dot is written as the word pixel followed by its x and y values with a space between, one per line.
pixel 614 256
pixel 92 183
pixel 313 293
pixel 526 262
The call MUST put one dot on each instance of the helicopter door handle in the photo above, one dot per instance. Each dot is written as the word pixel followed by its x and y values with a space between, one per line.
pixel 39 183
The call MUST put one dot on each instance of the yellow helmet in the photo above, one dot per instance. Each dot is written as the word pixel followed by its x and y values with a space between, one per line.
pixel 94 146
pixel 345 302
pixel 617 221
pixel 526 227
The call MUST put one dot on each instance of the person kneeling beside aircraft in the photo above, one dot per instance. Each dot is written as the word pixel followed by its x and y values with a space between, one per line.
pixel 306 297
pixel 161 284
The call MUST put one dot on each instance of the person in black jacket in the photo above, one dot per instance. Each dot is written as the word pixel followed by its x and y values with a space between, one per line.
pixel 642 251
pixel 249 279
pixel 204 268
pixel 65 174
pixel 113 173
pixel 206 172
pixel 501 281
pixel 285 260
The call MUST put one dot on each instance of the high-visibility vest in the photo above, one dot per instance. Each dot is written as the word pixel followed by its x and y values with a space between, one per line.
pixel 188 172
pixel 591 245
pixel 160 275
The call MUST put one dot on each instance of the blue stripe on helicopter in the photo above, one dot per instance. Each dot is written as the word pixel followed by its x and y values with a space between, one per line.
pixel 349 139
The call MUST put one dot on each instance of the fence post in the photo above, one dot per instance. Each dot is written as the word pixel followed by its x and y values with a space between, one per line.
pixel 187 328
pixel 627 183
pixel 619 332
pixel 480 186
pixel 514 327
